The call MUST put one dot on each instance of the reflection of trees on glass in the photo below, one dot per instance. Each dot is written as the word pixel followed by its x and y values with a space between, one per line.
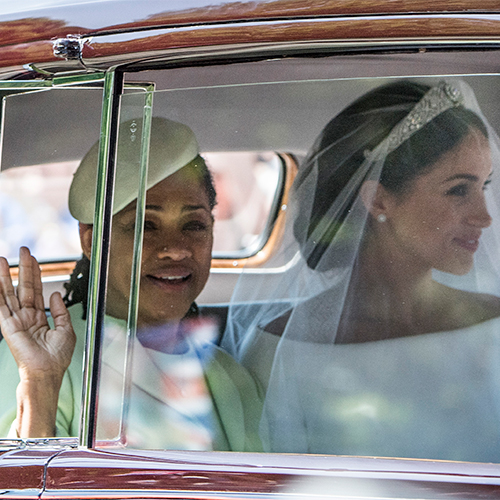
pixel 246 184
pixel 34 213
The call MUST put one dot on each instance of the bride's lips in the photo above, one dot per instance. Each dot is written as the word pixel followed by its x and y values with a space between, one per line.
pixel 170 279
pixel 470 244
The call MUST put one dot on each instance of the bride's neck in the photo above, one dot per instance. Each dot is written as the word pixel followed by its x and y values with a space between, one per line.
pixel 390 283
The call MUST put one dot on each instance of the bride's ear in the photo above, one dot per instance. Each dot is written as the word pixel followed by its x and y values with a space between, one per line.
pixel 376 199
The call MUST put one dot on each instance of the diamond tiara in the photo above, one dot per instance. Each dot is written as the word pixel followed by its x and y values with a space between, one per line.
pixel 436 100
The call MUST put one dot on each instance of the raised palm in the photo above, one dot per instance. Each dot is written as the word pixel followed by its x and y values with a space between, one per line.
pixel 40 352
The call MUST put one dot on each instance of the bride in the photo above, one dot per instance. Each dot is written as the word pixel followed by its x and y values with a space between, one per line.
pixel 381 338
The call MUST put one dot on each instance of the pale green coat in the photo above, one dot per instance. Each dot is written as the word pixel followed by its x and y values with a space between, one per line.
pixel 234 394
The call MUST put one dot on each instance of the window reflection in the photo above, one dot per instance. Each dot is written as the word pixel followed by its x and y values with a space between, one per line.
pixel 168 403
pixel 34 212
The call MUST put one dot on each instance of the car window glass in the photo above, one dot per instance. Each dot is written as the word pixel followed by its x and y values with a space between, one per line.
pixel 45 135
pixel 153 392
pixel 247 185
pixel 366 389
pixel 39 157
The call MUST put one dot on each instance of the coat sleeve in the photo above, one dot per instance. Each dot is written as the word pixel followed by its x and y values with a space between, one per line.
pixel 237 400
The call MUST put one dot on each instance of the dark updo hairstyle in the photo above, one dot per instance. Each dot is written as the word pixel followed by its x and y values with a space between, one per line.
pixel 342 145
pixel 78 284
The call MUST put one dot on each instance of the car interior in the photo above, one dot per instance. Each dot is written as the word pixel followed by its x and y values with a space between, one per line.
pixel 255 119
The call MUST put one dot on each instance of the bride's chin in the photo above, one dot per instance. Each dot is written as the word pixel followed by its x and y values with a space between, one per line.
pixel 457 269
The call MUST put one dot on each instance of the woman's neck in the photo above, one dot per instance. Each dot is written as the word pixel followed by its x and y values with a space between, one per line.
pixel 384 270
pixel 391 295
pixel 388 294
pixel 167 338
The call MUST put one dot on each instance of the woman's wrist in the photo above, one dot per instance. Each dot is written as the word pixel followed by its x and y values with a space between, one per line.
pixel 37 400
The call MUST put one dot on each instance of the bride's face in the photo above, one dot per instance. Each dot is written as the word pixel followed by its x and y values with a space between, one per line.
pixel 437 223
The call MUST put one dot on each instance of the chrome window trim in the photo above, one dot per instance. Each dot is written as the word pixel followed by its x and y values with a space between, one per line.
pixel 263 50
pixel 113 88
pixel 138 61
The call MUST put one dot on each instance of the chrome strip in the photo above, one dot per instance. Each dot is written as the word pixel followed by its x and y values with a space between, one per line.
pixel 268 49
pixel 57 442
pixel 137 257
pixel 100 252
pixel 159 493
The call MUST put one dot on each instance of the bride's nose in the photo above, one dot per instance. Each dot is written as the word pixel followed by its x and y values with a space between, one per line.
pixel 479 215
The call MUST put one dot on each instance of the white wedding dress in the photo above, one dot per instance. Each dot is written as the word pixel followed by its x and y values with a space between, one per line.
pixel 433 396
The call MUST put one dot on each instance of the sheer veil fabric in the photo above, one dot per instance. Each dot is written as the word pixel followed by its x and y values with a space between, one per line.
pixel 342 375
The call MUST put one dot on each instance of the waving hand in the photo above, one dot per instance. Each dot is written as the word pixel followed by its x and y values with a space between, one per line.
pixel 42 354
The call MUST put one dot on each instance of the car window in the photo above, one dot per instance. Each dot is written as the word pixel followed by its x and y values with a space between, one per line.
pixel 35 187
pixel 286 341
pixel 37 166
pixel 279 352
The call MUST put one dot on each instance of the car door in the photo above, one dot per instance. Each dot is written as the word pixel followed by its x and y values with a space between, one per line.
pixel 254 106
pixel 269 102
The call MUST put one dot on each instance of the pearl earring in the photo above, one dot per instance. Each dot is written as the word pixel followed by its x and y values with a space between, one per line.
pixel 381 217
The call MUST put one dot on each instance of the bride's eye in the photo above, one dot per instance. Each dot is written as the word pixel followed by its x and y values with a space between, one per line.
pixel 458 190
pixel 486 184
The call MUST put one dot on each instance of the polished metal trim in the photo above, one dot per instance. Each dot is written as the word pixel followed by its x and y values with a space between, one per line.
pixel 56 442
pixel 153 493
pixel 138 60
pixel 113 88
pixel 137 256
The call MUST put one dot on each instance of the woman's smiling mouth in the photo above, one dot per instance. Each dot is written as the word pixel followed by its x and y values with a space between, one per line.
pixel 471 244
pixel 170 279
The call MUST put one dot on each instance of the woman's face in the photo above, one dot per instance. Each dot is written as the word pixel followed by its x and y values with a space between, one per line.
pixel 176 251
pixel 438 222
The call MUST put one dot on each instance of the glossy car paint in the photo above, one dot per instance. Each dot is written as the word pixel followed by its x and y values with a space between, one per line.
pixel 98 474
pixel 23 470
pixel 28 36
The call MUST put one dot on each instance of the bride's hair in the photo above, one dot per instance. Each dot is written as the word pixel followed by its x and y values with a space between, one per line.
pixel 347 140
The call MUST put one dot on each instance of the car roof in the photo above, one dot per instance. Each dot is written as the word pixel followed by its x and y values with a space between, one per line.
pixel 43 20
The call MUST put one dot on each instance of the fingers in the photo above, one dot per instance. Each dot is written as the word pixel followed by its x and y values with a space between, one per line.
pixel 59 313
pixel 25 287
pixel 37 284
pixel 8 298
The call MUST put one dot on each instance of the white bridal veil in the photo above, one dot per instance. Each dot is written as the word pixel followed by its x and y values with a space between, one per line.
pixel 429 395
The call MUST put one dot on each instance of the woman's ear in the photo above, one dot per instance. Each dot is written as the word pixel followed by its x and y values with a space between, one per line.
pixel 376 198
pixel 86 238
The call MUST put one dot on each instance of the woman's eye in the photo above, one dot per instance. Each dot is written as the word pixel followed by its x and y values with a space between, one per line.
pixel 195 226
pixel 149 225
pixel 459 190
pixel 126 227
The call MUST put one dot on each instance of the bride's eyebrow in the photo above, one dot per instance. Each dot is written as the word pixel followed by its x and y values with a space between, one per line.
pixel 467 177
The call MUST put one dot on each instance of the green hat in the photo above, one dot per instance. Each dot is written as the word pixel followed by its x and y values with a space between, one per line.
pixel 172 146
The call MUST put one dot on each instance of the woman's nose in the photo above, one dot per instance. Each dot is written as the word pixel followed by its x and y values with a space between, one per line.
pixel 480 216
pixel 175 252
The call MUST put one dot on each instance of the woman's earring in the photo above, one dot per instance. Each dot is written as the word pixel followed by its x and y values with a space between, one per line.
pixel 381 217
